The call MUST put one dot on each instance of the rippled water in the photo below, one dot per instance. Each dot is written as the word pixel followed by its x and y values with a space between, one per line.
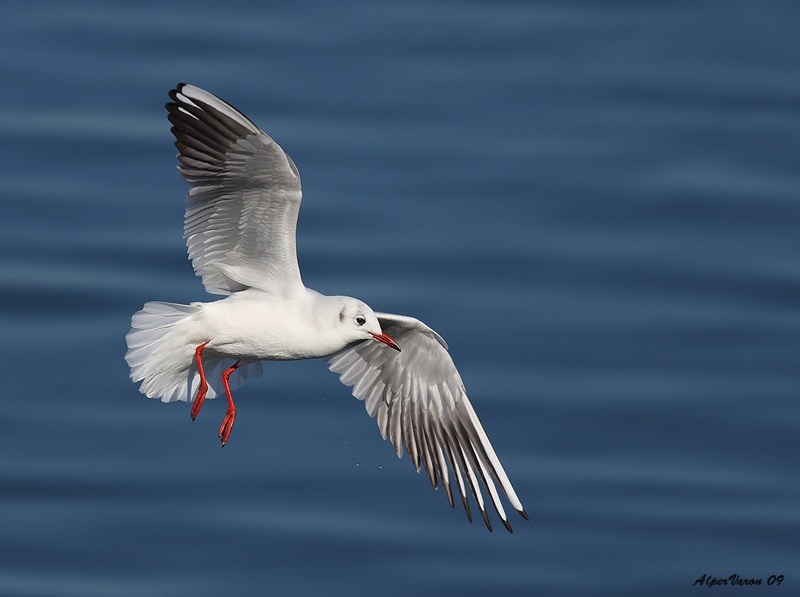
pixel 597 206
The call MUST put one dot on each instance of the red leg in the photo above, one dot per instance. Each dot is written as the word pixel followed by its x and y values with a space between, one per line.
pixel 203 389
pixel 230 416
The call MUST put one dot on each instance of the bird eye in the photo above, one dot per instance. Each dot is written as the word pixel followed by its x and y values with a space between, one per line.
pixel 361 320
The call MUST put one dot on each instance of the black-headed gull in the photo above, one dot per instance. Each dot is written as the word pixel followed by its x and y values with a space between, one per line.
pixel 240 224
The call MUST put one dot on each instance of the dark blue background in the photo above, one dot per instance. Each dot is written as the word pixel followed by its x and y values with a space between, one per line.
pixel 596 204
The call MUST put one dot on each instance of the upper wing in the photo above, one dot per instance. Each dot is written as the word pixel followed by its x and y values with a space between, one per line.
pixel 241 213
pixel 419 398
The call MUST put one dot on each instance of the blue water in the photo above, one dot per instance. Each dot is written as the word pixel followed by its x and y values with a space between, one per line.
pixel 597 205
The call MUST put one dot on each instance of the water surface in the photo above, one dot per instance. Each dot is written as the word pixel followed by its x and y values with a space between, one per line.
pixel 597 207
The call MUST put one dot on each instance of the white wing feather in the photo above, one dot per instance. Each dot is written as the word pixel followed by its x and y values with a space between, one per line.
pixel 242 207
pixel 419 400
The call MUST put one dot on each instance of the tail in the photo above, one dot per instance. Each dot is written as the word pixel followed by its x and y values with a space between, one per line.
pixel 161 355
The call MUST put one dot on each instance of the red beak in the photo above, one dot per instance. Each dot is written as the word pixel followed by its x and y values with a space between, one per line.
pixel 387 341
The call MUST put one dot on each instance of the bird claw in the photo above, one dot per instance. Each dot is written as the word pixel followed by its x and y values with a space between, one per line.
pixel 227 427
pixel 198 403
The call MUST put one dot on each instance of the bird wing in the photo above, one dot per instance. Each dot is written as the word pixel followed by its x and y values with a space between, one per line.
pixel 244 196
pixel 419 399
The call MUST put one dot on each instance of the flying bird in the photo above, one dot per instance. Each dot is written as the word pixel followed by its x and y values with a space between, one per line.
pixel 240 223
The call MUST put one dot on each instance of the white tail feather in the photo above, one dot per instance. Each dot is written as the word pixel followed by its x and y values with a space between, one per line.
pixel 161 355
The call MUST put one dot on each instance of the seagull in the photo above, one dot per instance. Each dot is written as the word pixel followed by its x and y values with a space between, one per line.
pixel 240 225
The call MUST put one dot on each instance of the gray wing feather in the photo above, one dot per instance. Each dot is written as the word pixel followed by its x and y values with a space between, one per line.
pixel 420 403
pixel 244 197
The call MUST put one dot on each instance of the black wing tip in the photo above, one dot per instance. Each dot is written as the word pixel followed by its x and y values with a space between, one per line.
pixel 508 524
pixel 175 92
pixel 487 521
pixel 173 95
pixel 450 496
pixel 467 509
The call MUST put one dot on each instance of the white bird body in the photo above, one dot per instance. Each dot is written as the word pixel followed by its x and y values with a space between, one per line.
pixel 253 323
pixel 240 223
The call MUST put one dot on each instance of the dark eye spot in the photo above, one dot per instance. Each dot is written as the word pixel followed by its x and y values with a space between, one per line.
pixel 341 314
pixel 361 320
